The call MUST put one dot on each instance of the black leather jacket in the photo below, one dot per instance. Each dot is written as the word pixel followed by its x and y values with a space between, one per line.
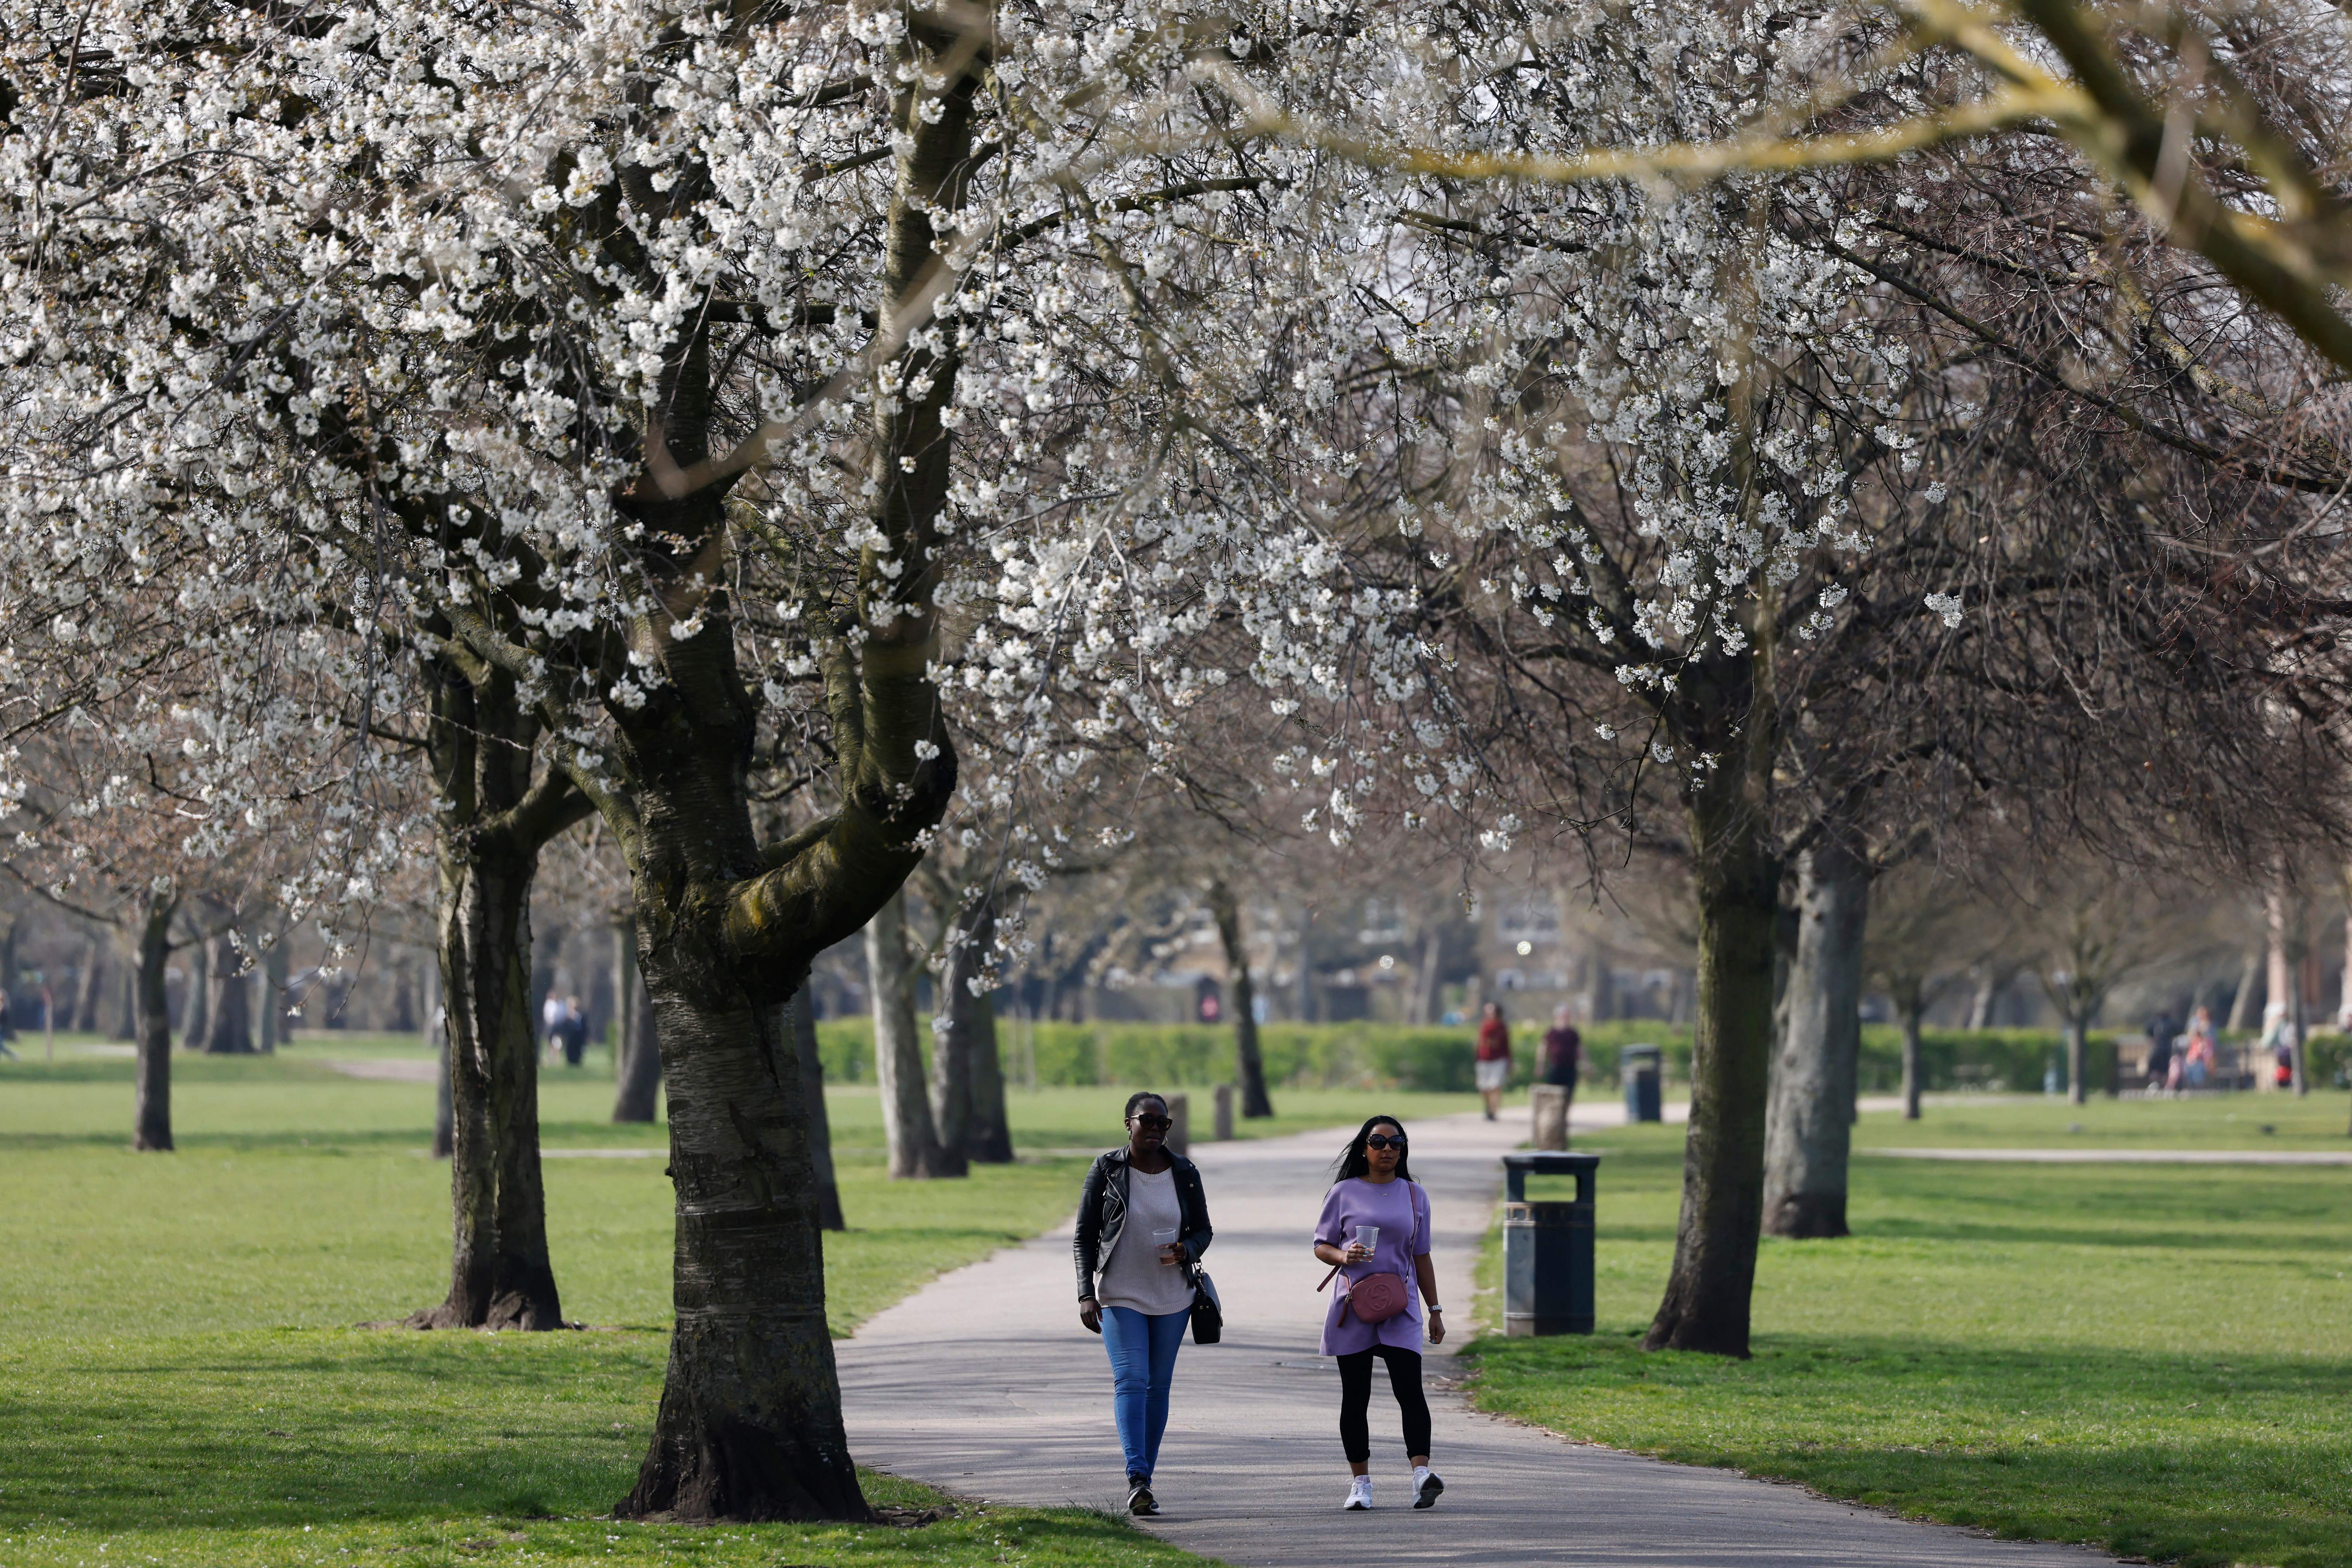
pixel 1102 1213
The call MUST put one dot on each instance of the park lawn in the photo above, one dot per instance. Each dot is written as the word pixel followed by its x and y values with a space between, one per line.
pixel 2153 1359
pixel 2266 1121
pixel 183 1380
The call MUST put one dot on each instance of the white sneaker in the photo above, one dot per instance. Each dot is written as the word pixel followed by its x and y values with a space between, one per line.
pixel 1425 1487
pixel 1359 1495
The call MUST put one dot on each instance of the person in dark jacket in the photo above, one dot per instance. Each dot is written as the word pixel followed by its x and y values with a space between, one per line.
pixel 1562 1048
pixel 1143 1222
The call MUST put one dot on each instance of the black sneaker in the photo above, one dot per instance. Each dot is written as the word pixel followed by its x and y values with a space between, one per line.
pixel 1425 1494
pixel 1141 1502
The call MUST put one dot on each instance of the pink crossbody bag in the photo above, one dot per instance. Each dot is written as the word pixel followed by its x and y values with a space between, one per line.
pixel 1374 1298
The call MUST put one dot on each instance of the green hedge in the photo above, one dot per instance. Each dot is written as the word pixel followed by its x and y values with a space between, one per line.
pixel 1317 1056
pixel 1439 1057
pixel 2326 1059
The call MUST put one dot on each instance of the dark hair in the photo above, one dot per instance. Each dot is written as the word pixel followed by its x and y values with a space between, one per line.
pixel 1353 1161
pixel 1138 1097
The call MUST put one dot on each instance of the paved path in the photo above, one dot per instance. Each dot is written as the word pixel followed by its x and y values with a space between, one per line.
pixel 2125 1156
pixel 984 1383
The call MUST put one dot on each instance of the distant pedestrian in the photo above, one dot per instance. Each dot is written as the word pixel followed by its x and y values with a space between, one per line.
pixel 2199 1060
pixel 1562 1049
pixel 2197 1046
pixel 1494 1057
pixel 1143 1222
pixel 2159 1048
pixel 573 1029
pixel 1375 1230
pixel 550 1021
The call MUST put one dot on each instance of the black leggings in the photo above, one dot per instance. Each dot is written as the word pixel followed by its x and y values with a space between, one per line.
pixel 1356 1400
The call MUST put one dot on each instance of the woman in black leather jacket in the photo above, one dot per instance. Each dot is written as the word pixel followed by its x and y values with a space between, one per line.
pixel 1143 1222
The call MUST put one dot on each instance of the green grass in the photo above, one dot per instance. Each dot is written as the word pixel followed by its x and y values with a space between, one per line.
pixel 183 1380
pixel 2048 1122
pixel 2154 1360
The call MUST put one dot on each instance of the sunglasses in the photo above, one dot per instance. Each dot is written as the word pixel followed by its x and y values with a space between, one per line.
pixel 1382 1141
pixel 1158 1124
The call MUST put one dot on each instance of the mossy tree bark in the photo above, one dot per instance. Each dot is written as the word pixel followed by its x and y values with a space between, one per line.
pixel 151 1010
pixel 1249 1062
pixel 750 1424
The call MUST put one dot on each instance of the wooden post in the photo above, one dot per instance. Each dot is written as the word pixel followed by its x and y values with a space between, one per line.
pixel 1224 1113
pixel 1180 1121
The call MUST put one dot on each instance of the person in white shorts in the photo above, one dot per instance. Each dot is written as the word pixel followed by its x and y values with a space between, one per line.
pixel 1494 1057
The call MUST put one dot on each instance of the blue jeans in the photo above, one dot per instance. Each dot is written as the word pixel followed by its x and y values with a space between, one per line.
pixel 1142 1364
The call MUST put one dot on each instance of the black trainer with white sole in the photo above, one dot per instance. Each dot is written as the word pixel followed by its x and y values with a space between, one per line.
pixel 1141 1500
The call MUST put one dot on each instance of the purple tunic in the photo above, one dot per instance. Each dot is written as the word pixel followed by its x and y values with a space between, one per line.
pixel 1401 1211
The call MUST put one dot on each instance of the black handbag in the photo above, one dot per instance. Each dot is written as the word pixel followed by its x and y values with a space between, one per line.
pixel 1207 1313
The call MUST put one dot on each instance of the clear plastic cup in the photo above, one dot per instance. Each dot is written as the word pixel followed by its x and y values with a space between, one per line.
pixel 1165 1237
pixel 1368 1237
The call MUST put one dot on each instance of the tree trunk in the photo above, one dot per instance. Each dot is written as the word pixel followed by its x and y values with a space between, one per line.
pixel 2344 998
pixel 124 1023
pixel 231 1034
pixel 444 1108
pixel 908 1130
pixel 8 977
pixel 2078 1030
pixel 992 1128
pixel 2284 1009
pixel 803 1009
pixel 195 1015
pixel 499 1273
pixel 624 985
pixel 950 1076
pixel 1426 978
pixel 273 997
pixel 1913 1007
pixel 968 1036
pixel 2250 988
pixel 1810 1134
pixel 1598 986
pixel 93 977
pixel 488 832
pixel 1706 1307
pixel 750 1426
pixel 638 1047
pixel 1249 1064
pixel 152 1119
pixel 1306 964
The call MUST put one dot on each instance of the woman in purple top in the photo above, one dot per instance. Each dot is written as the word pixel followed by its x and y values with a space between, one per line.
pixel 1375 1188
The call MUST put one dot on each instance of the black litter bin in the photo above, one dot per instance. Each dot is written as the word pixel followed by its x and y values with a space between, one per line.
pixel 1547 1246
pixel 1640 1066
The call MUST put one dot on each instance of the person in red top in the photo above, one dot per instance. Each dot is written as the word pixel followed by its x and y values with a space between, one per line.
pixel 1494 1057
